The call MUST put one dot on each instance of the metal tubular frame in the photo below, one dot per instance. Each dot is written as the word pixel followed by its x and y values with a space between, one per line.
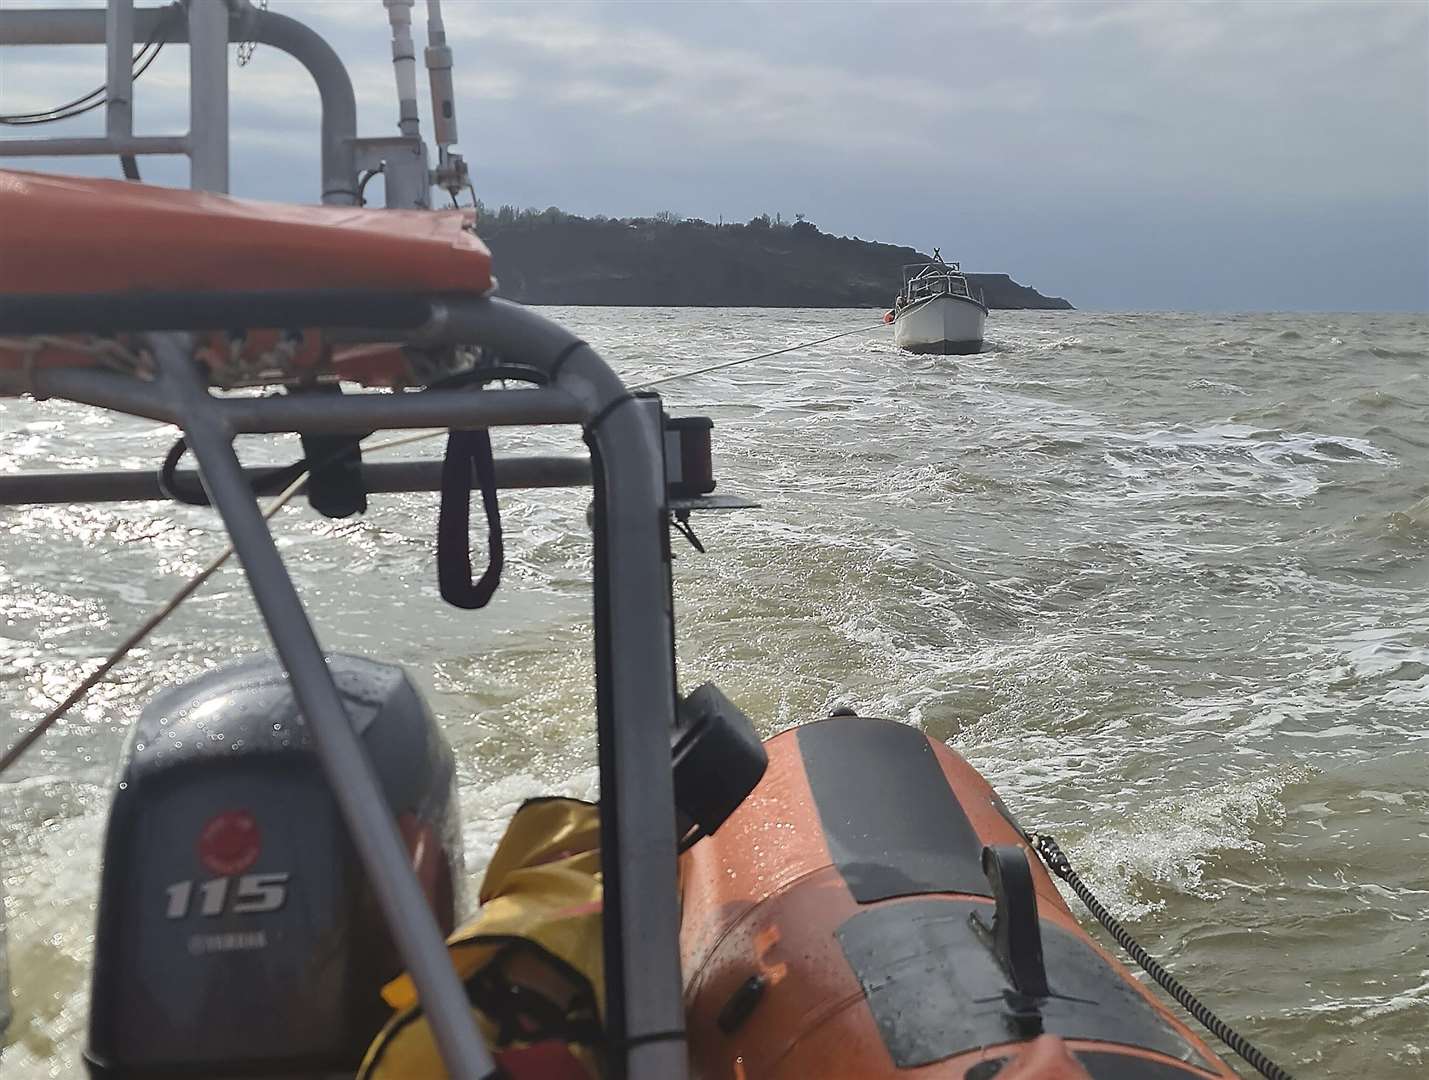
pixel 119 83
pixel 354 784
pixel 148 145
pixel 208 95
pixel 634 661
pixel 59 26
pixel 635 697
pixel 129 485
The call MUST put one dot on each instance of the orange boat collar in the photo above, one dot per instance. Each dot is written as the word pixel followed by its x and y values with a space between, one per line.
pixel 72 235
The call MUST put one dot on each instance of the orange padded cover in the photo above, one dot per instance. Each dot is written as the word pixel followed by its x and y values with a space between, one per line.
pixel 62 234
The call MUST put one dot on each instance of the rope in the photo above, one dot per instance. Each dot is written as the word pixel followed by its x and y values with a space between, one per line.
pixel 1059 864
pixel 751 359
pixel 110 353
pixel 423 436
pixel 193 584
pixel 144 630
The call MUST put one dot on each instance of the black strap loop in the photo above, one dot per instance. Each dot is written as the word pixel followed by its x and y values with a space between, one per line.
pixel 270 483
pixel 467 450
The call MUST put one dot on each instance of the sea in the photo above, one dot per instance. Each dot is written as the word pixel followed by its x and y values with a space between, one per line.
pixel 1163 578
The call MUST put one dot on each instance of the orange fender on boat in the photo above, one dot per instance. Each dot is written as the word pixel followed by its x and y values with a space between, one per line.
pixel 840 925
pixel 116 236
pixel 888 316
pixel 96 237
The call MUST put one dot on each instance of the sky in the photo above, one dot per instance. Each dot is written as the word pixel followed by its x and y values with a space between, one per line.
pixel 1194 156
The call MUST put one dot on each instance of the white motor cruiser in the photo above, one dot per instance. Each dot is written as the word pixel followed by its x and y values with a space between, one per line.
pixel 936 311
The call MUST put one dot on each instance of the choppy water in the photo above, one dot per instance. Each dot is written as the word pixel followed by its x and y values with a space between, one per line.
pixel 1164 578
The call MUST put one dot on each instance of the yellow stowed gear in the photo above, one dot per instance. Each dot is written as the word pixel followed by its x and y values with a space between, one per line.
pixel 531 958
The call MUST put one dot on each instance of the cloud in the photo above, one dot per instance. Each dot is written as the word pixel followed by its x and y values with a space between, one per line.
pixel 1043 138
pixel 654 76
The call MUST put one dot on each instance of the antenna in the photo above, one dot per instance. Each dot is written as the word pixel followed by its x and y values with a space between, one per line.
pixel 404 63
pixel 451 172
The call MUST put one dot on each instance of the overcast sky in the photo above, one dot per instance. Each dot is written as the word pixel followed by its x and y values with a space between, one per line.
pixel 1197 156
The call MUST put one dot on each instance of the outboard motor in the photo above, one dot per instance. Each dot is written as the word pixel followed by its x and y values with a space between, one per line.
pixel 238 934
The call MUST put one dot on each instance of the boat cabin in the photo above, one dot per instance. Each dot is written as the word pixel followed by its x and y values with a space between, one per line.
pixel 922 281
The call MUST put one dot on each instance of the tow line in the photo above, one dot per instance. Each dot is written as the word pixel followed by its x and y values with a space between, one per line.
pixel 1059 864
pixel 149 625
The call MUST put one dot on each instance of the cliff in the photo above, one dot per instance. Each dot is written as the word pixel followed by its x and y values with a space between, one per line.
pixel 556 258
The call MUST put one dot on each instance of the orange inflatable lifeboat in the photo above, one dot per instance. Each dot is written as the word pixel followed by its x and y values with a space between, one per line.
pixel 873 910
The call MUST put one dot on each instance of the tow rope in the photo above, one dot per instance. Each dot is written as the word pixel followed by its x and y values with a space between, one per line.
pixel 13 754
pixel 1059 864
pixel 750 359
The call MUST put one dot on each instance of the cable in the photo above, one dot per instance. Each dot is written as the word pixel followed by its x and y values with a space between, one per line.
pixel 1059 864
pixel 70 111
pixel 81 105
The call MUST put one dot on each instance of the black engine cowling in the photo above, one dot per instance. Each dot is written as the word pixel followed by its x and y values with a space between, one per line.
pixel 237 933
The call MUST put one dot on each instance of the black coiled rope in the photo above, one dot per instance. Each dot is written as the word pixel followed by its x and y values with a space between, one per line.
pixel 1058 863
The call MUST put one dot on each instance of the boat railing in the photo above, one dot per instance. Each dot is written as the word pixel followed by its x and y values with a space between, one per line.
pixel 207 26
pixel 635 699
pixel 634 636
pixel 937 282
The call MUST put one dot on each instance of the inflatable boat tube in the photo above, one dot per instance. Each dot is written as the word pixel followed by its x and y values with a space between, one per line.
pixel 872 910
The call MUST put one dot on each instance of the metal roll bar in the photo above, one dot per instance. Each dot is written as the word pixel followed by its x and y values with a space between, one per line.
pixel 354 783
pixel 130 485
pixel 60 26
pixel 634 637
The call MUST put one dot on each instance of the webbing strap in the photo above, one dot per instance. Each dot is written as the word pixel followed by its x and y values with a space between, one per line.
pixel 467 450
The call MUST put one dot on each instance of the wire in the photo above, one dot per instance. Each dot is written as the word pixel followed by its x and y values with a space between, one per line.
pixel 81 105
pixel 38 117
pixel 68 112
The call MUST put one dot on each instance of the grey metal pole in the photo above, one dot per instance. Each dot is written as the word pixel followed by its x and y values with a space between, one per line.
pixel 404 63
pixel 339 103
pixel 118 93
pixel 439 72
pixel 354 784
pixel 102 144
pixel 60 26
pixel 635 698
pixel 132 485
pixel 64 26
pixel 635 676
pixel 208 95
pixel 430 409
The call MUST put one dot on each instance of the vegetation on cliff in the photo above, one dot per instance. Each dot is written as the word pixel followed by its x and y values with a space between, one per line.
pixel 550 257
